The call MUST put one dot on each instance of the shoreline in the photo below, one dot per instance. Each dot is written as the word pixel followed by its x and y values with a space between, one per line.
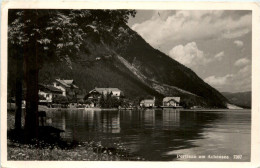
pixel 45 108
pixel 215 110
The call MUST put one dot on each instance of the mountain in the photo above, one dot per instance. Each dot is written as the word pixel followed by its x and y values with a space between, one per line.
pixel 133 66
pixel 242 99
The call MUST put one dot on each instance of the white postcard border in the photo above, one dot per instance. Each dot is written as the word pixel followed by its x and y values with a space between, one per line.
pixel 255 131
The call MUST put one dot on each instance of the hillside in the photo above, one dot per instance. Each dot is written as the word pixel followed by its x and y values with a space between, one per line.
pixel 160 68
pixel 102 73
pixel 134 67
pixel 242 99
pixel 138 70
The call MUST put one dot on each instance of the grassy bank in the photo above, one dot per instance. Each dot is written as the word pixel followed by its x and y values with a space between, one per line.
pixel 17 151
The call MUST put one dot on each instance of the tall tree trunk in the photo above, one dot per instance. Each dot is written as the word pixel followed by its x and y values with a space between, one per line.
pixel 18 92
pixel 31 76
pixel 31 80
pixel 31 118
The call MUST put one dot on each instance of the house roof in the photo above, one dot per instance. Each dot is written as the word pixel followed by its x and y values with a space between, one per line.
pixel 53 89
pixel 176 99
pixel 107 90
pixel 69 82
pixel 49 88
pixel 66 83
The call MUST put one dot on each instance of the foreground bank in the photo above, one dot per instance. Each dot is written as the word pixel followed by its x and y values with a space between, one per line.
pixel 88 151
pixel 17 151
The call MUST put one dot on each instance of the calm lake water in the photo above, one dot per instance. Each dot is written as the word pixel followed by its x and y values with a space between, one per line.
pixel 164 135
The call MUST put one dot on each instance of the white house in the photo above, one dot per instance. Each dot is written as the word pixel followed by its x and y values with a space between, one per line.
pixel 46 95
pixel 171 101
pixel 148 102
pixel 48 92
pixel 67 86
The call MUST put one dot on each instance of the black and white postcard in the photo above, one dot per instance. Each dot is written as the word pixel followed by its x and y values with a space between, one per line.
pixel 130 84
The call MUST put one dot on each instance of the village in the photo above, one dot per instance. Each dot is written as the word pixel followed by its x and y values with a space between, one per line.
pixel 65 94
pixel 108 84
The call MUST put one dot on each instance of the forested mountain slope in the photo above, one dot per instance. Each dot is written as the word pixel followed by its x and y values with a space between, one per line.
pixel 137 69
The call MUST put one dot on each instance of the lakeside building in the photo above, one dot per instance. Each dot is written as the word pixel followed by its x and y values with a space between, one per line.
pixel 148 102
pixel 68 87
pixel 171 101
pixel 48 92
pixel 95 95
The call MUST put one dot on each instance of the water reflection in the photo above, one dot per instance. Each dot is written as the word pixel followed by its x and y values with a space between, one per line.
pixel 110 122
pixel 171 118
pixel 160 134
pixel 149 117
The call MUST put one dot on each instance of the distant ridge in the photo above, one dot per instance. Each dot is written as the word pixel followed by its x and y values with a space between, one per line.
pixel 242 99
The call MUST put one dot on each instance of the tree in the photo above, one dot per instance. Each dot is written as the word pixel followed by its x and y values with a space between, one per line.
pixel 55 36
pixel 15 76
pixel 59 99
pixel 102 101
pixel 18 92
pixel 108 100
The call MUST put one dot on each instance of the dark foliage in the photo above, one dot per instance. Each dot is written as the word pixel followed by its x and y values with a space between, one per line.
pixel 109 101
pixel 60 99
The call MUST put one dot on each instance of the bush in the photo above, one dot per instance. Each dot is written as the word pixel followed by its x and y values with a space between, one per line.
pixel 60 100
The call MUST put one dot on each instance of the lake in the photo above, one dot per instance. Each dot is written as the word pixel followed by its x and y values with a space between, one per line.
pixel 164 135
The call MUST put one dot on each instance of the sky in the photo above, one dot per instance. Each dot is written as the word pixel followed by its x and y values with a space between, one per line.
pixel 216 45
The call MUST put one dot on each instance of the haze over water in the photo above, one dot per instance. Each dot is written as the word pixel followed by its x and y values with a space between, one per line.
pixel 161 135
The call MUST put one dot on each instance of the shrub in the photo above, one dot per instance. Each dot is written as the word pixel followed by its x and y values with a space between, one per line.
pixel 60 100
